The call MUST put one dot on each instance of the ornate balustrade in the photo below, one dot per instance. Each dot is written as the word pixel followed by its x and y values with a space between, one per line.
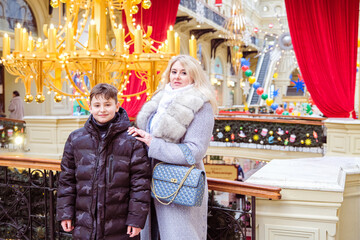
pixel 270 132
pixel 28 202
pixel 208 12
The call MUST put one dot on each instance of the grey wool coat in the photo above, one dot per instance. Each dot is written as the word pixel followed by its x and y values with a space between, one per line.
pixel 189 120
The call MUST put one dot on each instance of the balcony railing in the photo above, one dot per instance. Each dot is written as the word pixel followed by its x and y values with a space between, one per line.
pixel 209 13
pixel 28 202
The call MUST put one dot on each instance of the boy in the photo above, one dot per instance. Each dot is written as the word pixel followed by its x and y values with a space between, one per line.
pixel 104 184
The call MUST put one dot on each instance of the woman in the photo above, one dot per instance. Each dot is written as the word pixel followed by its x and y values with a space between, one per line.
pixel 16 107
pixel 182 111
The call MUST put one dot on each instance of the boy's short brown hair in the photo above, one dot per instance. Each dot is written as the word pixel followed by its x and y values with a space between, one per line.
pixel 106 90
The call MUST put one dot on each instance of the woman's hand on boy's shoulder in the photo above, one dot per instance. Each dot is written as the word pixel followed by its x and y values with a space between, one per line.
pixel 133 231
pixel 140 135
pixel 66 225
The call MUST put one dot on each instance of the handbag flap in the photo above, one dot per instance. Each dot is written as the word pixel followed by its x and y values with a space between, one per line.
pixel 175 174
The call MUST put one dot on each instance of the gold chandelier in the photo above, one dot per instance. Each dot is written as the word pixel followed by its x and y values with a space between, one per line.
pixel 236 31
pixel 53 61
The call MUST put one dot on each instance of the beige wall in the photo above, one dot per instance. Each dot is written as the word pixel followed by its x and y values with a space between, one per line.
pixel 29 108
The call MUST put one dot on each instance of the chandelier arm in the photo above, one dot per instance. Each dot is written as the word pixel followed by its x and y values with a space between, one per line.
pixel 129 24
pixel 82 45
pixel 83 24
pixel 53 87
pixel 51 67
pixel 80 102
pixel 123 80
pixel 112 17
pixel 134 94
pixel 11 71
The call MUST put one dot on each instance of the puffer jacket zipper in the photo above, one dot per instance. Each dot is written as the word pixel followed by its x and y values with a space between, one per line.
pixel 93 184
pixel 110 169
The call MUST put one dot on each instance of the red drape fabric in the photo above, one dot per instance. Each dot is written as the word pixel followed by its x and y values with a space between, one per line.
pixel 160 16
pixel 324 35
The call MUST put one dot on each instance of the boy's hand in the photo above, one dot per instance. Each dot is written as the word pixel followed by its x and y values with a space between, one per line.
pixel 66 225
pixel 133 231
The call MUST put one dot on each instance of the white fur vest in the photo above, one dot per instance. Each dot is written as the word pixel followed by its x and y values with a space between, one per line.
pixel 174 122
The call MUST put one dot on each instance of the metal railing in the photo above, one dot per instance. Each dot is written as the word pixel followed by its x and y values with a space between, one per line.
pixel 28 202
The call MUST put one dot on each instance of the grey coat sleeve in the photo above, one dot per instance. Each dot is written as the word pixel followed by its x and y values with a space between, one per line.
pixel 197 138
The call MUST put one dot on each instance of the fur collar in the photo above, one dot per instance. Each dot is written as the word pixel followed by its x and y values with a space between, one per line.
pixel 178 116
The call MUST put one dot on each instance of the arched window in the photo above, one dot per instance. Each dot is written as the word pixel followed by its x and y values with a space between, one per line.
pixel 17 11
pixel 2 11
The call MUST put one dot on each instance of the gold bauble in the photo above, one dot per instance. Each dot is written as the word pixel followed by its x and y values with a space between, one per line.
pixel 28 98
pixel 54 3
pixel 256 137
pixel 40 98
pixel 58 98
pixel 15 128
pixel 146 4
pixel 134 9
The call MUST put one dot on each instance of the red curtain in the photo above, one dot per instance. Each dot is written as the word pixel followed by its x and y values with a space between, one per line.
pixel 324 35
pixel 160 16
pixel 218 3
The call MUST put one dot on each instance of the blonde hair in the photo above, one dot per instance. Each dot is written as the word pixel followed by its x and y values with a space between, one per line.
pixel 197 75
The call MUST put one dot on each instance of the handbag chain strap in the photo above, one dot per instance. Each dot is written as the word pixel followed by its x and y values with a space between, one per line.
pixel 174 194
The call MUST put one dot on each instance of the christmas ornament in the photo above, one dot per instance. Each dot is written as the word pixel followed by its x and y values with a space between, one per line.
pixel 315 136
pixel 227 128
pixel 252 79
pixel 242 134
pixel 264 132
pixel 280 132
pixel 259 90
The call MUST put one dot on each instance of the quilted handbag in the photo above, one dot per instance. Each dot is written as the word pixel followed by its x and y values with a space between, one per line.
pixel 178 184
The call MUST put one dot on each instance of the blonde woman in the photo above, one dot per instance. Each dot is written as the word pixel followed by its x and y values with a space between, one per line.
pixel 180 113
